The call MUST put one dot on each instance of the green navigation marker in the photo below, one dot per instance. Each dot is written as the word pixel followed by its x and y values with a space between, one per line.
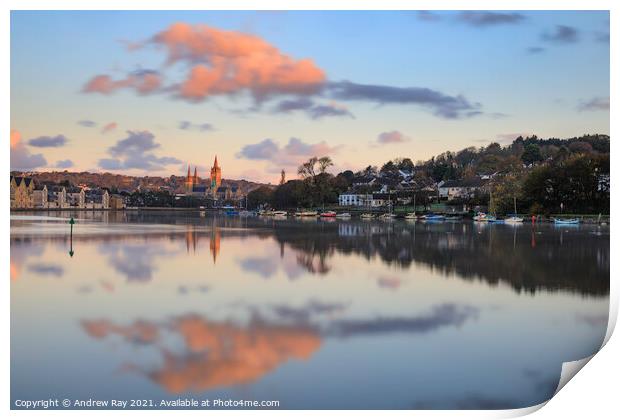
pixel 71 223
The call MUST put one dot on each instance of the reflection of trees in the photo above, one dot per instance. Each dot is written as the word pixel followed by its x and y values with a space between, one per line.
pixel 551 259
pixel 495 254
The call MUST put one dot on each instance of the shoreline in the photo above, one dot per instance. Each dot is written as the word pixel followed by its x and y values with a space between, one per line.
pixel 589 219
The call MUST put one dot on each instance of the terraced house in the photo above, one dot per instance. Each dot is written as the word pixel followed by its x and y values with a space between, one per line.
pixel 21 192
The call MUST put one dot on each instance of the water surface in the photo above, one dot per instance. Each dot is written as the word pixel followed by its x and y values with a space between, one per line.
pixel 316 314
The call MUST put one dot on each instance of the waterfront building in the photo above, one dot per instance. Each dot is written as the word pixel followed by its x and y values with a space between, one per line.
pixel 39 197
pixel 462 189
pixel 76 197
pixel 351 199
pixel 21 192
pixel 56 197
pixel 97 199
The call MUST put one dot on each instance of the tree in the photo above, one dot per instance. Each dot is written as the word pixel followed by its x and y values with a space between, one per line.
pixel 531 154
pixel 324 163
pixel 580 147
pixel 307 169
pixel 389 168
pixel 404 164
pixel 291 194
pixel 260 196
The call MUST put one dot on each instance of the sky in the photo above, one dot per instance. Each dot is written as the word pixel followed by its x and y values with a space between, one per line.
pixel 149 92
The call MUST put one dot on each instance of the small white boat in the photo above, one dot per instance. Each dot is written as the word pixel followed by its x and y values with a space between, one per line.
pixel 514 218
pixel 343 216
pixel 387 216
pixel 434 217
pixel 367 216
pixel 573 221
pixel 411 216
pixel 281 213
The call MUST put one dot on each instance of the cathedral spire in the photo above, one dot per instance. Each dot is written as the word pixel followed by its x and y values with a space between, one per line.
pixel 215 162
pixel 195 180
pixel 189 185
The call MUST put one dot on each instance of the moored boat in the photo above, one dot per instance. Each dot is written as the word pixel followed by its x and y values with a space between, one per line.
pixel 480 217
pixel 343 216
pixel 433 217
pixel 281 213
pixel 411 216
pixel 514 218
pixel 306 213
pixel 573 221
pixel 387 216
pixel 453 218
pixel 367 216
pixel 328 214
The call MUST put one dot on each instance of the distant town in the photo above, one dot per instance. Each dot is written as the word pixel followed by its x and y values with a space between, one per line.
pixel 528 176
pixel 86 190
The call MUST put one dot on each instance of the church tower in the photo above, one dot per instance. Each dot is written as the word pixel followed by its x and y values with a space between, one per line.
pixel 189 184
pixel 216 176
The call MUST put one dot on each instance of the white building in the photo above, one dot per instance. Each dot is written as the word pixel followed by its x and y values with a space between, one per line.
pixel 463 189
pixel 362 200
pixel 39 197
pixel 76 197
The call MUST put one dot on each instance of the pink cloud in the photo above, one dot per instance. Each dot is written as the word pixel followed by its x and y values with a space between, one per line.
pixel 227 62
pixel 21 158
pixel 15 138
pixel 109 127
pixel 143 82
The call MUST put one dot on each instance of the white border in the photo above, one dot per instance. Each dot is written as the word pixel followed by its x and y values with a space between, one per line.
pixel 593 394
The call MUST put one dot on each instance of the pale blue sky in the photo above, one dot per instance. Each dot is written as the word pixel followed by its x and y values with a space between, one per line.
pixel 484 57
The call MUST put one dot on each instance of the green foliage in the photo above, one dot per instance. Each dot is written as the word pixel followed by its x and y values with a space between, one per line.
pixel 259 197
pixel 531 154
pixel 573 183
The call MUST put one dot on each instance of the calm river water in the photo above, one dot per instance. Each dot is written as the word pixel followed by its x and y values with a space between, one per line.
pixel 315 314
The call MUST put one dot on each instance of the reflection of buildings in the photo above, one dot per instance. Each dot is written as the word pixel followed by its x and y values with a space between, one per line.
pixel 214 243
pixel 192 237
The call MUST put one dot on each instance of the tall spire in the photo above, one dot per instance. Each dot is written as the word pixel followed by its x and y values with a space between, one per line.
pixel 215 162
pixel 189 185
pixel 195 176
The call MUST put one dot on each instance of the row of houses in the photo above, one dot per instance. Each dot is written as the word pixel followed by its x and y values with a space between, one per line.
pixel 377 191
pixel 27 194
